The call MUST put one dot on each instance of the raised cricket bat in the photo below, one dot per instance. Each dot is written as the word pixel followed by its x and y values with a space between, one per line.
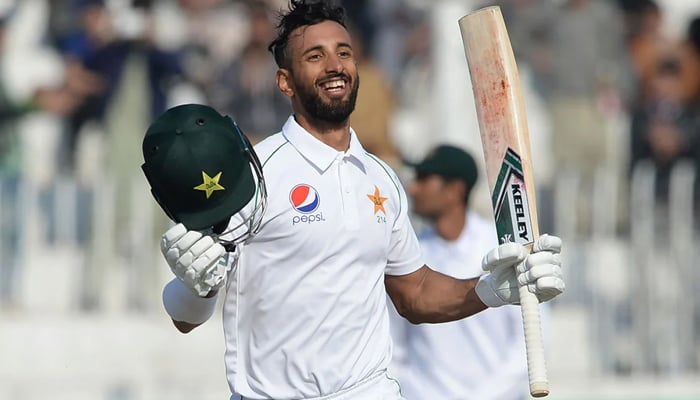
pixel 504 135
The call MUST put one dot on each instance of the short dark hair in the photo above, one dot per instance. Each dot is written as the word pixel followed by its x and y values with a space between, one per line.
pixel 694 33
pixel 302 13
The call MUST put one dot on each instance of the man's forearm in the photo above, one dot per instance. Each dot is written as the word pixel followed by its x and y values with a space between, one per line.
pixel 433 297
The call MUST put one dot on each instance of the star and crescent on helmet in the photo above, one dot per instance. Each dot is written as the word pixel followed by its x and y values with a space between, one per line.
pixel 210 184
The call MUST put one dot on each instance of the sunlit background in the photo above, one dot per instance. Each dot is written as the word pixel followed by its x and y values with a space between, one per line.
pixel 613 102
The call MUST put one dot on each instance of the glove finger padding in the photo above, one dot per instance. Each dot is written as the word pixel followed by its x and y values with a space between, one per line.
pixel 203 272
pixel 175 251
pixel 548 288
pixel 540 258
pixel 171 236
pixel 214 274
pixel 194 258
pixel 510 265
pixel 210 272
pixel 507 254
pixel 541 271
pixel 201 246
pixel 211 279
pixel 203 263
pixel 547 243
pixel 193 253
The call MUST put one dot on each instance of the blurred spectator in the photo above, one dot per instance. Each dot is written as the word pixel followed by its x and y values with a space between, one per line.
pixel 360 14
pixel 212 34
pixel 97 50
pixel 246 88
pixel 529 28
pixel 414 105
pixel 529 24
pixel 38 95
pixel 375 106
pixel 586 54
pixel 584 68
pixel 646 43
pixel 164 65
pixel 393 20
pixel 62 20
pixel 94 51
pixel 657 132
pixel 694 33
pixel 690 59
pixel 665 124
pixel 690 76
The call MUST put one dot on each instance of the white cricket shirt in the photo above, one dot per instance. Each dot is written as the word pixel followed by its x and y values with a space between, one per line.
pixel 305 313
pixel 480 357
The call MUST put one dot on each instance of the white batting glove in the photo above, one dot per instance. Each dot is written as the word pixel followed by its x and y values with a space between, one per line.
pixel 194 259
pixel 510 265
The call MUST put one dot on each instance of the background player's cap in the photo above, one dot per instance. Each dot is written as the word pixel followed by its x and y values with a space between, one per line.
pixel 196 162
pixel 449 162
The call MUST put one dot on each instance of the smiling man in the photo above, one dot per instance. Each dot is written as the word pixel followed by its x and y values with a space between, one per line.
pixel 305 315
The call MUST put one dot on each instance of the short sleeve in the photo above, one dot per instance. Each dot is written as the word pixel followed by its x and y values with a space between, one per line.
pixel 404 254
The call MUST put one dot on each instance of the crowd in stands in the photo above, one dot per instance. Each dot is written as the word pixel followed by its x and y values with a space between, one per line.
pixel 590 61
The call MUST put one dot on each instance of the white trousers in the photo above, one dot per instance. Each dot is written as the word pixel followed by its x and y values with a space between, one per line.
pixel 378 387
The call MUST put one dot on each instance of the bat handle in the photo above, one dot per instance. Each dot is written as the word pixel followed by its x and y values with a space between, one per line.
pixel 537 369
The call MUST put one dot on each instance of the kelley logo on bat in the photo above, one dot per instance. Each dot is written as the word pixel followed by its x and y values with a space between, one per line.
pixel 513 221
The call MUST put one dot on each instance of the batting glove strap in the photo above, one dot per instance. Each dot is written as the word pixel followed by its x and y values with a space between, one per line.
pixel 498 288
pixel 500 285
pixel 184 306
pixel 487 294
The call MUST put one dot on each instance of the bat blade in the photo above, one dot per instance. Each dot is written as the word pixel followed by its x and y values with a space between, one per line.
pixel 505 138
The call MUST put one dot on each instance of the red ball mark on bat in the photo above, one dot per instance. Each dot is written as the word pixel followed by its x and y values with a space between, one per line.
pixel 491 94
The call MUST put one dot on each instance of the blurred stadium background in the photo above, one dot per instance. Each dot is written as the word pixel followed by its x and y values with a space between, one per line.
pixel 613 98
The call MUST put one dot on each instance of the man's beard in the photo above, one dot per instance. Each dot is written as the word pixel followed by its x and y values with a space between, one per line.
pixel 335 111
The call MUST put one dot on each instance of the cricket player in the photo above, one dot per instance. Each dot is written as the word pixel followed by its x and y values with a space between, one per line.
pixel 481 357
pixel 304 288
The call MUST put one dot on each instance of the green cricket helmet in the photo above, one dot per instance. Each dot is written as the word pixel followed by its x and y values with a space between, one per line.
pixel 200 168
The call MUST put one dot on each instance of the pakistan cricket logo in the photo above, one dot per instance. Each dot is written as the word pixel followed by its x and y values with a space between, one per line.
pixel 209 184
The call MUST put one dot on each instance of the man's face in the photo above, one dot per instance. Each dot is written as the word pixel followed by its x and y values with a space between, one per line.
pixel 433 196
pixel 323 72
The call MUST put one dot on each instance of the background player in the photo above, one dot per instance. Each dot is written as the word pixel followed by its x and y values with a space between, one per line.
pixel 483 356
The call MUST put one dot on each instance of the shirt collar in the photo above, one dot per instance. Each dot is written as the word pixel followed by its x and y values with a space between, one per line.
pixel 318 153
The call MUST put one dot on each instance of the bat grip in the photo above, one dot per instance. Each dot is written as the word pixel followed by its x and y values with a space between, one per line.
pixel 537 369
